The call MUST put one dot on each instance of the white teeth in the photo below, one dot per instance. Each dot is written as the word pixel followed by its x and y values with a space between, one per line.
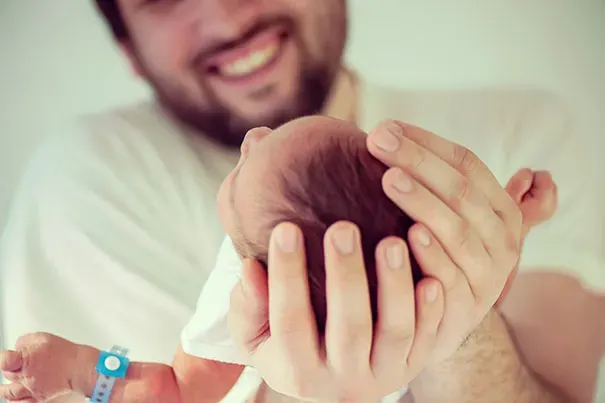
pixel 249 63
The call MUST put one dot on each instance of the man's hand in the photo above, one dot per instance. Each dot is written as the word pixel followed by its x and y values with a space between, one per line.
pixel 356 362
pixel 40 368
pixel 469 229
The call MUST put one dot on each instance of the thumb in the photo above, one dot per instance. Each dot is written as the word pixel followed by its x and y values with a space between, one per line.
pixel 10 361
pixel 248 317
pixel 520 184
pixel 543 201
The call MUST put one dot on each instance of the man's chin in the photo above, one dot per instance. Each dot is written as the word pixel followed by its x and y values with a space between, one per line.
pixel 269 114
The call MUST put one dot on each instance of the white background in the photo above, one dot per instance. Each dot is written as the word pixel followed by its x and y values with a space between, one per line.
pixel 57 60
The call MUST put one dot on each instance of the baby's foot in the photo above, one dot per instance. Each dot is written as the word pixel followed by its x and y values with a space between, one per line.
pixel 536 194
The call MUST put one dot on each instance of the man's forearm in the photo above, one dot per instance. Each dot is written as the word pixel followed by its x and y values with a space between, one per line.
pixel 486 369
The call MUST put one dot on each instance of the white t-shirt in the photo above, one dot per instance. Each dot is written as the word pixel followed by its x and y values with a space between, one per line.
pixel 112 233
pixel 508 130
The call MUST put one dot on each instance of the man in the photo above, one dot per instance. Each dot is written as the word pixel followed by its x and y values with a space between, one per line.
pixel 126 198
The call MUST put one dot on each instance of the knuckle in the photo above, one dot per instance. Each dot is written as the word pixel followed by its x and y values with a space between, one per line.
pixel 418 157
pixel 399 337
pixel 288 327
pixel 32 339
pixel 24 340
pixel 460 194
pixel 348 279
pixel 449 278
pixel 357 334
pixel 289 275
pixel 464 234
pixel 465 160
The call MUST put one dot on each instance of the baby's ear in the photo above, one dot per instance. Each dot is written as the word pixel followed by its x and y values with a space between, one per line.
pixel 520 184
pixel 254 280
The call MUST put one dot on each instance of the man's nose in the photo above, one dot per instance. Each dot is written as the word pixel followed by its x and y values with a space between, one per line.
pixel 224 20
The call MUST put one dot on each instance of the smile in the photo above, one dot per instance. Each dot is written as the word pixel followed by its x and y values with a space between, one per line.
pixel 251 57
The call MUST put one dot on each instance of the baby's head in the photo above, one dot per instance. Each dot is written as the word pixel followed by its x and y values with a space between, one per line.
pixel 313 172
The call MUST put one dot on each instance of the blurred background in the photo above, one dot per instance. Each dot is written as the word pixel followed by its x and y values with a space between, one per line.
pixel 58 61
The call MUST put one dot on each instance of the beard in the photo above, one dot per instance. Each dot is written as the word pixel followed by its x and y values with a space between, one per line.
pixel 226 127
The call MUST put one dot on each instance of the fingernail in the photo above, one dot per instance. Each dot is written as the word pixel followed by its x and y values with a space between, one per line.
pixel 403 182
pixel 386 138
pixel 286 237
pixel 395 256
pixel 423 237
pixel 430 293
pixel 344 240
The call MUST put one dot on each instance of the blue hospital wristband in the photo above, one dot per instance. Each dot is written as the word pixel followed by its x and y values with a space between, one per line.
pixel 111 365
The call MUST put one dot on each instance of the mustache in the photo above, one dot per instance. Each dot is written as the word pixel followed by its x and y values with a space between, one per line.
pixel 258 27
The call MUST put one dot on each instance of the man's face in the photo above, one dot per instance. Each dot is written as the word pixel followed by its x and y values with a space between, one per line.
pixel 225 66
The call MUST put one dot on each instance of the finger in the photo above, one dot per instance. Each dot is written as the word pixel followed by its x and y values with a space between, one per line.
pixel 12 376
pixel 248 317
pixel 349 323
pixel 433 260
pixel 540 202
pixel 394 329
pixel 545 183
pixel 458 157
pixel 543 186
pixel 14 392
pixel 458 239
pixel 10 360
pixel 460 193
pixel 430 308
pixel 519 184
pixel 291 316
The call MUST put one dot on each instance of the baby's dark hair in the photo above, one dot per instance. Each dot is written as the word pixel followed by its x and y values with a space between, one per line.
pixel 340 180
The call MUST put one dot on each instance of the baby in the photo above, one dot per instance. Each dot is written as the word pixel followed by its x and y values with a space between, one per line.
pixel 313 172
